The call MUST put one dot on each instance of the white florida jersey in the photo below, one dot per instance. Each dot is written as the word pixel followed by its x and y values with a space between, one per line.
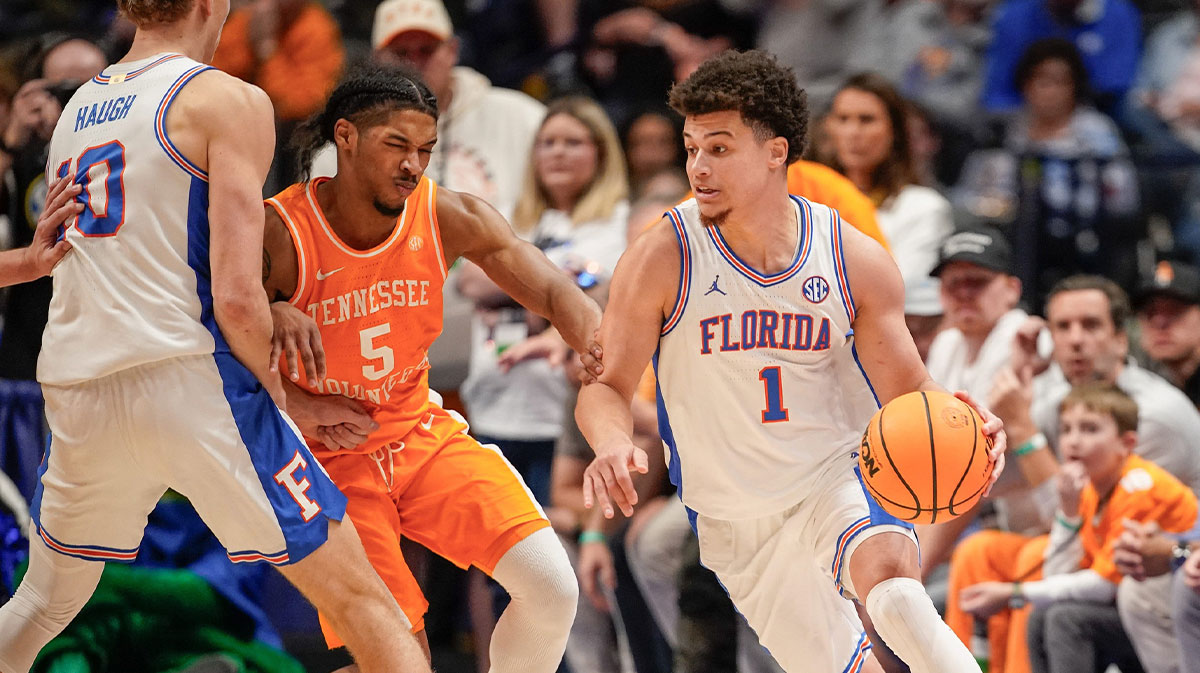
pixel 759 387
pixel 135 288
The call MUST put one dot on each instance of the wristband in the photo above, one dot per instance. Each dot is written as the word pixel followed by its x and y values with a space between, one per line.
pixel 1063 521
pixel 592 536
pixel 1034 443
pixel 1017 600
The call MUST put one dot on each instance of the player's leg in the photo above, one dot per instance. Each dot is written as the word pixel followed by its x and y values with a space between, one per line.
pixel 90 506
pixel 470 506
pixel 239 460
pixel 874 559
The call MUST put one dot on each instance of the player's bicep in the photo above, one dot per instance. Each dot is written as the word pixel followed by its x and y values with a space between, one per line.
pixel 644 284
pixel 882 341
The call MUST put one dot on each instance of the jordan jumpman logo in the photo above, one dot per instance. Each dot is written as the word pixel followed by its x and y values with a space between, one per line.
pixel 714 287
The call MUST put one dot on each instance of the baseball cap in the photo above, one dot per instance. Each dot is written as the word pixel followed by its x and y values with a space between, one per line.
pixel 393 17
pixel 982 246
pixel 1174 279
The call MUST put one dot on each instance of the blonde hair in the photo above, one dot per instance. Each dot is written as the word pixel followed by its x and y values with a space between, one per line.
pixel 610 184
pixel 1106 399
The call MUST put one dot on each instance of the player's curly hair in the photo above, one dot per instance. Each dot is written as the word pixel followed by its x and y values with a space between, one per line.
pixel 368 93
pixel 144 12
pixel 764 92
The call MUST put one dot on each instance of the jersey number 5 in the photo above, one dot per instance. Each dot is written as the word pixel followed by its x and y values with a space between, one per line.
pixel 100 170
pixel 366 342
pixel 772 378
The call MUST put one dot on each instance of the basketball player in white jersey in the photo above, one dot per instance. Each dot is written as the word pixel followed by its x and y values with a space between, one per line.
pixel 776 330
pixel 154 363
pixel 39 257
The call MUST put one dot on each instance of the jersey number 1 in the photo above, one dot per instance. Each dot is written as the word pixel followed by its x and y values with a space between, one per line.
pixel 772 378
pixel 100 170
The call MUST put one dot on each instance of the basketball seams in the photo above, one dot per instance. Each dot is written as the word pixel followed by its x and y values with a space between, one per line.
pixel 932 456
pixel 970 462
pixel 895 470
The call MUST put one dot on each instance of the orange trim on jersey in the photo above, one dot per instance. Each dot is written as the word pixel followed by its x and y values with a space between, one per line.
pixel 401 230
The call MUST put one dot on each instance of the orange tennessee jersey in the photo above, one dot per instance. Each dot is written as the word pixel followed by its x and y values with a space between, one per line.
pixel 1145 493
pixel 378 310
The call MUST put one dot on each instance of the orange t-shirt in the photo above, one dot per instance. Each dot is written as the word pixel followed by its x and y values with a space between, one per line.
pixel 820 183
pixel 1145 493
pixel 378 311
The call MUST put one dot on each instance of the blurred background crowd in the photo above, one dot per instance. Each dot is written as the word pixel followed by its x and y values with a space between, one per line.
pixel 1031 165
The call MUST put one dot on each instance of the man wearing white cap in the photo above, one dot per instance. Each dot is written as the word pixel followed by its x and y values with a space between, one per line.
pixel 484 132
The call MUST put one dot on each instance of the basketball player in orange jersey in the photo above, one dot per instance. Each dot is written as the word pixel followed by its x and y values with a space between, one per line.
pixel 776 332
pixel 364 255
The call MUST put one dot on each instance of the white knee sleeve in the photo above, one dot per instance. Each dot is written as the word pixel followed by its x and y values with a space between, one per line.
pixel 907 621
pixel 53 591
pixel 531 635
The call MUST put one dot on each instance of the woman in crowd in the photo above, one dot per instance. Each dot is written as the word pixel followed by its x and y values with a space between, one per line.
pixel 867 127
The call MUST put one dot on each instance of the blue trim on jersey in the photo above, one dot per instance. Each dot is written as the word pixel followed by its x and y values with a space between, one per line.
pixel 839 264
pixel 876 516
pixel 859 658
pixel 269 440
pixel 35 505
pixel 88 552
pixel 684 287
pixel 668 436
pixel 803 246
pixel 870 386
pixel 160 123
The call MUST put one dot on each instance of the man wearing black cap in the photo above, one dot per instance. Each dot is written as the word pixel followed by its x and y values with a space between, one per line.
pixel 1168 311
pixel 979 295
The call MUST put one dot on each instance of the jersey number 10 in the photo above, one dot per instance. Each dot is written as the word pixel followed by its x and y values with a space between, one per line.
pixel 100 170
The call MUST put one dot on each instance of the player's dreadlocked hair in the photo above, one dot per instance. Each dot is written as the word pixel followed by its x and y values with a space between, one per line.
pixel 764 92
pixel 365 96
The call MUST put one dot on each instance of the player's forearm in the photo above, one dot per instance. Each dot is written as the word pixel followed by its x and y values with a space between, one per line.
pixel 574 315
pixel 245 322
pixel 603 415
pixel 15 268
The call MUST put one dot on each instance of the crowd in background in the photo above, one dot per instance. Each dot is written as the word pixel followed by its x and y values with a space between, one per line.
pixel 1031 165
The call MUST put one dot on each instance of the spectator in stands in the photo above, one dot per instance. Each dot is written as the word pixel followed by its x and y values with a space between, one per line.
pixel 1086 316
pixel 871 147
pixel 1062 184
pixel 1107 33
pixel 1163 108
pixel 1168 311
pixel 651 145
pixel 979 294
pixel 484 132
pixel 1101 483
pixel 573 207
pixel 55 68
pixel 1159 599
pixel 292 50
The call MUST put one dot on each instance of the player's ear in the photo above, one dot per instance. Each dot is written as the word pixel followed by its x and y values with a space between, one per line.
pixel 345 134
pixel 778 147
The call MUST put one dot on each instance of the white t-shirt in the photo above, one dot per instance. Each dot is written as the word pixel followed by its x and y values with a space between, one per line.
pixel 915 222
pixel 949 366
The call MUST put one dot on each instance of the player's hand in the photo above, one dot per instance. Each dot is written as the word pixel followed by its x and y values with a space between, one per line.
pixel 337 422
pixel 1142 551
pixel 985 599
pixel 1191 571
pixel 295 336
pixel 46 250
pixel 1072 477
pixel 607 479
pixel 596 572
pixel 592 361
pixel 993 429
pixel 547 345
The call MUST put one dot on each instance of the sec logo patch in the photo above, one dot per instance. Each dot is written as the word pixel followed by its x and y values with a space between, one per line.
pixel 816 289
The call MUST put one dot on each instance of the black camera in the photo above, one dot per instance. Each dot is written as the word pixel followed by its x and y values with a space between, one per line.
pixel 62 91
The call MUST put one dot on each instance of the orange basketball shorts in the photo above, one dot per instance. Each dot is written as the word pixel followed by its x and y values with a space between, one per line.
pixel 441 488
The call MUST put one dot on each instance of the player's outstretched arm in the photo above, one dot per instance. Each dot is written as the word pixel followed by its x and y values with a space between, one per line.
pixel 643 287
pixel 473 229
pixel 40 256
pixel 885 348
pixel 235 122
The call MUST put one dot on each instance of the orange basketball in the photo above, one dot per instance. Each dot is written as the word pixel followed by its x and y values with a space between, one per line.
pixel 924 457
